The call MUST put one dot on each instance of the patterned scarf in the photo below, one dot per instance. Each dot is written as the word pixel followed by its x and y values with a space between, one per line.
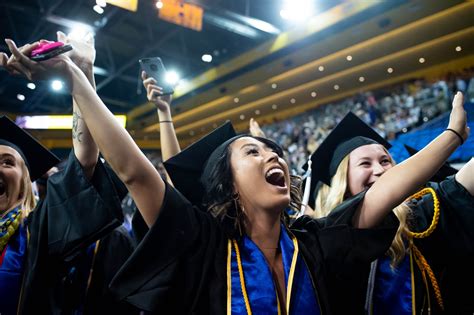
pixel 8 226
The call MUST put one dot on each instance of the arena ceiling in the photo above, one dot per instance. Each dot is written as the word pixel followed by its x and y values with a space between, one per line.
pixel 268 74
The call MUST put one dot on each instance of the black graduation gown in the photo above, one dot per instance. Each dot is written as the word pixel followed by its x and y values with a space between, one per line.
pixel 75 213
pixel 449 250
pixel 180 265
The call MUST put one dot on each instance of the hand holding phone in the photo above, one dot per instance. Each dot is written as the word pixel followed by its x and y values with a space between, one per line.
pixel 155 68
pixel 47 50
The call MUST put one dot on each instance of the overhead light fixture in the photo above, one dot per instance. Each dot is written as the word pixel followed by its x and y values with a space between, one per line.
pixel 20 97
pixel 159 5
pixel 389 70
pixel 274 106
pixel 257 112
pixel 349 58
pixel 336 87
pixel 274 85
pixel 458 48
pixel 206 58
pixel 321 68
pixel 236 100
pixel 97 8
pixel 297 10
pixel 101 3
pixel 56 85
pixel 172 77
pixel 361 79
pixel 314 94
pixel 31 86
pixel 242 117
pixel 292 101
pixel 421 60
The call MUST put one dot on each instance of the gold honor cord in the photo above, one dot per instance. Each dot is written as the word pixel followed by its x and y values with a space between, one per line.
pixel 418 256
pixel 242 279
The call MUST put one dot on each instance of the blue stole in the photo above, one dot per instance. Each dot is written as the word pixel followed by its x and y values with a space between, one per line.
pixel 11 271
pixel 259 284
pixel 392 288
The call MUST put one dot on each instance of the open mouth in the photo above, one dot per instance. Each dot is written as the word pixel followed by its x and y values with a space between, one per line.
pixel 2 188
pixel 276 177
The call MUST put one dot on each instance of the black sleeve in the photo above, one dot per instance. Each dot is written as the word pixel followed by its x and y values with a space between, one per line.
pixel 455 229
pixel 343 245
pixel 79 211
pixel 171 265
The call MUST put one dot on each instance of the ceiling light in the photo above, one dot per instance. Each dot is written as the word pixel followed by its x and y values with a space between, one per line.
pixel 336 87
pixel 31 86
pixel 361 79
pixel 159 5
pixel 206 58
pixel 257 112
pixel 172 77
pixel 242 117
pixel 274 106
pixel 421 60
pixel 314 94
pixel 101 3
pixel 349 58
pixel 20 97
pixel 389 70
pixel 56 85
pixel 292 101
pixel 274 85
pixel 458 48
pixel 98 9
pixel 321 68
pixel 236 100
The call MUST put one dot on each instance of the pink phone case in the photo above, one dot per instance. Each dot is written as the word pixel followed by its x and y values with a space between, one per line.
pixel 45 47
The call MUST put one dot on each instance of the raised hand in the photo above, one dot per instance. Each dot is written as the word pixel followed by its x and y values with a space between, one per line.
pixel 83 52
pixel 154 93
pixel 44 70
pixel 255 129
pixel 458 117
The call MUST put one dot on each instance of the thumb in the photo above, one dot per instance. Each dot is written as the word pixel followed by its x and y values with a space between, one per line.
pixel 61 37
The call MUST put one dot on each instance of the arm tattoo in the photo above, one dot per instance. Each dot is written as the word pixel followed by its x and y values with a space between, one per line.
pixel 76 133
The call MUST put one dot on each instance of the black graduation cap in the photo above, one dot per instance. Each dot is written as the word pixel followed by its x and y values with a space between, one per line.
pixel 186 169
pixel 445 170
pixel 37 158
pixel 348 135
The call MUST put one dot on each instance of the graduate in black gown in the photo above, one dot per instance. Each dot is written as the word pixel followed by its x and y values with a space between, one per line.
pixel 65 269
pixel 239 257
pixel 435 224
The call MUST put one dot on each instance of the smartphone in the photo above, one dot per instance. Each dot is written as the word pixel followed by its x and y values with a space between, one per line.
pixel 155 68
pixel 48 50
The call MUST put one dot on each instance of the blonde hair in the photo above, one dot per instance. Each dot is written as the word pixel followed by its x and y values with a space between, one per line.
pixel 28 198
pixel 329 197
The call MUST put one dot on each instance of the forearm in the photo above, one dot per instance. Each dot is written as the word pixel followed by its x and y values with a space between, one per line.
pixel 465 176
pixel 85 148
pixel 402 180
pixel 169 142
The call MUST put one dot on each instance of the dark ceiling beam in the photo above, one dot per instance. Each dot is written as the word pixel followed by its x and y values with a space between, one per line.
pixel 134 59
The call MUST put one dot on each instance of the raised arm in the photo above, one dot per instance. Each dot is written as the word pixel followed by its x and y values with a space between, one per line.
pixel 169 141
pixel 399 182
pixel 129 163
pixel 85 149
pixel 465 176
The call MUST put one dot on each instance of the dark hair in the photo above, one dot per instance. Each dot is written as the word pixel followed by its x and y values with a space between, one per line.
pixel 221 200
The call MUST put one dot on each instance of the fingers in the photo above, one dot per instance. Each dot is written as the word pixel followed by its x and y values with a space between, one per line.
pixel 3 59
pixel 153 92
pixel 148 81
pixel 19 56
pixel 458 100
pixel 144 76
pixel 62 37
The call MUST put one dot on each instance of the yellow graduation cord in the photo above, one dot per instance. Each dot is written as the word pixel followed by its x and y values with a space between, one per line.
pixel 242 279
pixel 420 260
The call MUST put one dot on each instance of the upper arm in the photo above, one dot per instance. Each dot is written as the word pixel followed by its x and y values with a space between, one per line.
pixel 147 190
pixel 465 176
